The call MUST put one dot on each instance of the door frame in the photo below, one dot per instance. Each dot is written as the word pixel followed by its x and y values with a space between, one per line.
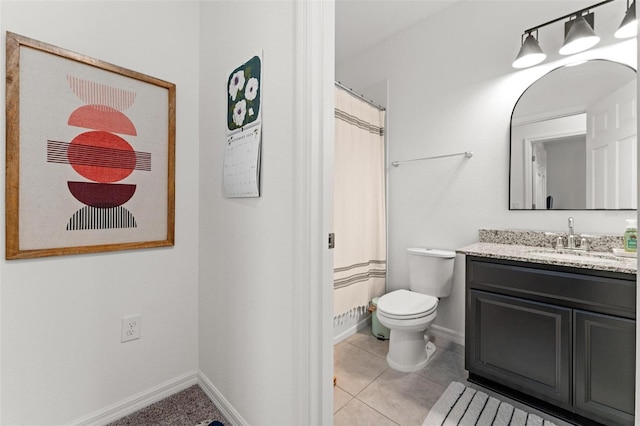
pixel 528 153
pixel 312 291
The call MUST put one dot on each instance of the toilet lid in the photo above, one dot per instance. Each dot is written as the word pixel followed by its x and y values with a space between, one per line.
pixel 406 304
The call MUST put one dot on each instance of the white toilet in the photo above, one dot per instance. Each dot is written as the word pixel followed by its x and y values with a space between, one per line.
pixel 409 313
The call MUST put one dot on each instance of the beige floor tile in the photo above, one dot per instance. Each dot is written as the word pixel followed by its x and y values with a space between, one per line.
pixel 387 397
pixel 367 341
pixel 355 368
pixel 340 398
pixel 356 413
pixel 445 367
pixel 447 344
pixel 403 397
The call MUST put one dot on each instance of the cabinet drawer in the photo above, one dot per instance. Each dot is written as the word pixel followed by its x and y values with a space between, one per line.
pixel 522 344
pixel 608 293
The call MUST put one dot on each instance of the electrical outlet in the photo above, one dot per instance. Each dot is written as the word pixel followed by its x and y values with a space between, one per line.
pixel 131 328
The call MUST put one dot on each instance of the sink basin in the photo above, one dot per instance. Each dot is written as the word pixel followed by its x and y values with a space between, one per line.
pixel 580 257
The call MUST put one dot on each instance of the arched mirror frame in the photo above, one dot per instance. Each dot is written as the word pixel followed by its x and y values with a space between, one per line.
pixel 546 203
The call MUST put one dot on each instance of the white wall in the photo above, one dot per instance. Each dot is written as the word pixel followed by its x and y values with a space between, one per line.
pixel 61 353
pixel 246 268
pixel 452 89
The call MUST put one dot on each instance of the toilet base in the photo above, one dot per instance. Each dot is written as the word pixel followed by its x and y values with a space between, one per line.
pixel 408 351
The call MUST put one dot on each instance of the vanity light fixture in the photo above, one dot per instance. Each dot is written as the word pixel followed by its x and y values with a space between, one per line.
pixel 579 34
pixel 629 25
pixel 530 52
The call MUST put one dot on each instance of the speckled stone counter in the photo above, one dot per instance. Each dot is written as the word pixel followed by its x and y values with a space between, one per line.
pixel 539 247
pixel 599 243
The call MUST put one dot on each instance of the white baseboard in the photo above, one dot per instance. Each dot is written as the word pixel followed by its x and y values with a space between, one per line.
pixel 138 401
pixel 446 335
pixel 144 399
pixel 364 322
pixel 221 403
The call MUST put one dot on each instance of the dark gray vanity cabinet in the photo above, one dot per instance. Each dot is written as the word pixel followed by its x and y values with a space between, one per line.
pixel 524 344
pixel 559 336
pixel 604 366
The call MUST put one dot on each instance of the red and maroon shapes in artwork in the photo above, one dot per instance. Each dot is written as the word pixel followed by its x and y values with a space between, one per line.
pixel 100 156
pixel 103 109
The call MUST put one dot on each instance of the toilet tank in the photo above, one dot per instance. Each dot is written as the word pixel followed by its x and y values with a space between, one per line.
pixel 431 271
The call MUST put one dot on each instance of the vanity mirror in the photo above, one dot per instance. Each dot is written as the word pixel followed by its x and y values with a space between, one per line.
pixel 574 138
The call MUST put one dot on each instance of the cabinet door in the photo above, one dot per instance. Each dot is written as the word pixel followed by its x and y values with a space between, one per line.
pixel 522 344
pixel 605 359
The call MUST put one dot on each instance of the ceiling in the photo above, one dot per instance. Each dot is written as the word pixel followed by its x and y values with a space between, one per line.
pixel 361 24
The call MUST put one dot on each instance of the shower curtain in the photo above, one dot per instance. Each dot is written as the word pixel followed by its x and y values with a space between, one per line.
pixel 359 205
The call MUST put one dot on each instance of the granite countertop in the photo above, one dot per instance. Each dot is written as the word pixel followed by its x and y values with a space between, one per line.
pixel 538 248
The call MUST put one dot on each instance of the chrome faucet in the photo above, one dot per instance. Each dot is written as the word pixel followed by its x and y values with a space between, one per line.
pixel 571 240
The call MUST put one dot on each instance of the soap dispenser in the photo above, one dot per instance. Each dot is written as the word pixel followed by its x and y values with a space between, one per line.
pixel 631 236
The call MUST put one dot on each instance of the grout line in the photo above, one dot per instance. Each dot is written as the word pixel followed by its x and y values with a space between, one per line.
pixel 368 351
pixel 386 417
pixel 371 382
pixel 346 403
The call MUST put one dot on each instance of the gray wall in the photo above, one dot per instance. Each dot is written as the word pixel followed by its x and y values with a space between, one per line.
pixel 567 173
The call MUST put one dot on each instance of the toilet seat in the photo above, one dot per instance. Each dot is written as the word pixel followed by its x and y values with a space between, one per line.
pixel 406 305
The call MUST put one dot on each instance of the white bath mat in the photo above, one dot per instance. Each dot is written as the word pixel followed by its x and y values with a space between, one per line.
pixel 461 405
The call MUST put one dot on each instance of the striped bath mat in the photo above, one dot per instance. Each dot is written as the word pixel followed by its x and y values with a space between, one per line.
pixel 460 405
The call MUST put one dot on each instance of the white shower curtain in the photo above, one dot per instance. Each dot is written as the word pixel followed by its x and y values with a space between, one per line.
pixel 359 205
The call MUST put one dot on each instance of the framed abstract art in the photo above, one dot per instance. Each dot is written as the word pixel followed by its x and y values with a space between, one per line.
pixel 90 154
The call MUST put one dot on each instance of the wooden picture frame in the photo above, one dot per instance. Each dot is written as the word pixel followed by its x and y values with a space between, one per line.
pixel 90 154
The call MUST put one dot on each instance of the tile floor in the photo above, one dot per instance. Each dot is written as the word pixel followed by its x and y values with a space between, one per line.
pixel 368 392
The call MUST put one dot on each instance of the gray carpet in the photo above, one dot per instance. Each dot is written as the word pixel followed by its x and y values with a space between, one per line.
pixel 188 407
pixel 461 405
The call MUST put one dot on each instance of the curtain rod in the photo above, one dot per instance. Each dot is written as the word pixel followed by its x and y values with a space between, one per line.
pixel 467 154
pixel 359 96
